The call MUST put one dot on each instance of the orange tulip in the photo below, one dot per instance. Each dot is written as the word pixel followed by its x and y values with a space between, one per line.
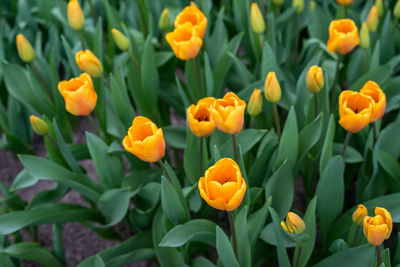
pixel 343 36
pixel 194 17
pixel 184 41
pixel 228 113
pixel 223 186
pixel 378 96
pixel 79 96
pixel 379 227
pixel 294 224
pixel 359 214
pixel 25 49
pixel 355 110
pixel 89 63
pixel 344 2
pixel 76 19
pixel 199 117
pixel 145 140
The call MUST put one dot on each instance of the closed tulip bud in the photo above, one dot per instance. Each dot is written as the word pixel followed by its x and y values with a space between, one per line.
pixel 372 19
pixel 223 185
pixel 278 2
pixel 379 227
pixel 255 103
pixel 89 63
pixel 39 126
pixel 359 214
pixel 163 22
pixel 344 2
pixel 294 224
pixel 256 18
pixel 145 140
pixel 299 4
pixel 373 90
pixel 380 6
pixel 272 89
pixel 120 39
pixel 315 79
pixel 312 6
pixel 343 36
pixel 25 49
pixel 396 10
pixel 76 19
pixel 364 36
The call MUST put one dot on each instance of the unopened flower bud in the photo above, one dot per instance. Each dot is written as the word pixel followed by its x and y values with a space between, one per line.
pixel 120 39
pixel 255 103
pixel 163 22
pixel 315 79
pixel 294 224
pixel 39 126
pixel 256 18
pixel 359 214
pixel 76 19
pixel 25 49
pixel 299 4
pixel 372 19
pixel 272 89
pixel 364 36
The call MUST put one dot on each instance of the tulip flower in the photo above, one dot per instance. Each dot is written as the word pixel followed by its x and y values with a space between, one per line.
pixel 299 4
pixel 199 117
pixel 145 140
pixel 373 90
pixel 344 2
pixel 314 79
pixel 193 17
pixel 272 91
pixel 255 103
pixel 294 224
pixel 343 36
pixel 380 6
pixel 256 19
pixel 79 96
pixel 185 41
pixel 39 126
pixel 379 227
pixel 396 10
pixel 359 213
pixel 120 39
pixel 372 19
pixel 223 185
pixel 76 19
pixel 163 22
pixel 25 49
pixel 89 63
pixel 364 36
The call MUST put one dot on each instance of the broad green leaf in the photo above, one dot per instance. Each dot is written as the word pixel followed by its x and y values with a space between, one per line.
pixel 224 249
pixel 23 180
pixel 123 107
pixel 307 247
pixel 283 258
pixel 268 235
pixel 191 157
pixel 242 237
pixel 175 136
pixel 326 153
pixel 351 155
pixel 289 143
pixel 114 204
pixel 389 164
pixel 137 255
pixel 171 203
pixel 247 139
pixel 202 262
pixel 356 257
pixel 256 222
pixel 58 244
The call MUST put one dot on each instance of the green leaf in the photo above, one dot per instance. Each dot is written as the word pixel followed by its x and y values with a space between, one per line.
pixel 51 213
pixel 283 258
pixel 198 230
pixel 114 204
pixel 175 136
pixel 351 155
pixel 289 144
pixel 268 235
pixel 32 251
pixel 307 247
pixel 137 255
pixel 23 180
pixel 330 186
pixel 326 152
pixel 224 249
pixel 242 237
pixel 247 139
pixel 122 105
pixel 202 262
pixel 379 75
pixel 389 164
pixel 171 203
pixel 356 257
pixel 58 245
pixel 108 167
pixel 256 221
pixel 191 162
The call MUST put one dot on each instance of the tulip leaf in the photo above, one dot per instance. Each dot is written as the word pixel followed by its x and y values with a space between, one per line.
pixel 243 243
pixel 283 258
pixel 256 221
pixel 289 144
pixel 268 235
pixel 247 139
pixel 351 155
pixel 357 257
pixel 390 165
pixel 191 156
pixel 326 152
pixel 225 250
pixel 208 76
pixel 379 75
pixel 330 186
pixel 114 204
pixel 307 247
pixel 175 136
pixel 171 203
pixel 23 180
pixel 122 105
pixel 198 230
pixel 34 252
pixel 202 262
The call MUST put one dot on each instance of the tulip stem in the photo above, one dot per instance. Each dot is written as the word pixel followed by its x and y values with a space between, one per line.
pixel 134 60
pixel 94 14
pixel 364 61
pixel 42 81
pixel 233 232
pixel 333 91
pixel 346 143
pixel 378 256
pixel 105 82
pixel 164 170
pixel 297 255
pixel 355 236
pixel 142 17
pixel 235 152
pixel 296 42
pixel 201 157
pixel 94 125
pixel 374 131
pixel 315 105
pixel 345 11
pixel 277 123
pixel 81 39
pixel 197 74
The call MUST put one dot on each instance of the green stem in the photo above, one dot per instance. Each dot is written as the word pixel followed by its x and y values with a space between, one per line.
pixel 36 71
pixel 164 170
pixel 364 61
pixel 105 82
pixel 374 131
pixel 297 256
pixel 346 143
pixel 355 236
pixel 315 105
pixel 235 152
pixel 345 11
pixel 378 256
pixel 197 75
pixel 277 123
pixel 333 91
pixel 201 157
pixel 94 125
pixel 296 43
pixel 134 60
pixel 233 232
pixel 94 14
pixel 81 39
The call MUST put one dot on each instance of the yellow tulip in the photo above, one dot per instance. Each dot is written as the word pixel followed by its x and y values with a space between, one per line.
pixel 256 19
pixel 372 19
pixel 255 103
pixel 314 79
pixel 25 49
pixel 89 63
pixel 272 89
pixel 294 224
pixel 120 39
pixel 199 117
pixel 359 213
pixel 76 19
pixel 379 227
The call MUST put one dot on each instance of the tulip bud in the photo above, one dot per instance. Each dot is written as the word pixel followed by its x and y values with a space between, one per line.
pixel 163 22
pixel 379 227
pixel 89 63
pixel 257 20
pixel 278 2
pixel 272 89
pixel 120 39
pixel 314 79
pixel 359 214
pixel 76 19
pixel 39 126
pixel 299 4
pixel 255 103
pixel 192 3
pixel 380 6
pixel 372 19
pixel 364 36
pixel 396 10
pixel 25 49
pixel 312 6
pixel 294 224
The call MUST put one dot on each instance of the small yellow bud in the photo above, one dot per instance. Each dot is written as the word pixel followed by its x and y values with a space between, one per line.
pixel 396 10
pixel 163 22
pixel 39 126
pixel 76 19
pixel 192 3
pixel 256 18
pixel 299 4
pixel 315 79
pixel 380 6
pixel 364 36
pixel 120 39
pixel 255 103
pixel 372 19
pixel 312 6
pixel 359 214
pixel 272 89
pixel 294 224
pixel 278 2
pixel 25 49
